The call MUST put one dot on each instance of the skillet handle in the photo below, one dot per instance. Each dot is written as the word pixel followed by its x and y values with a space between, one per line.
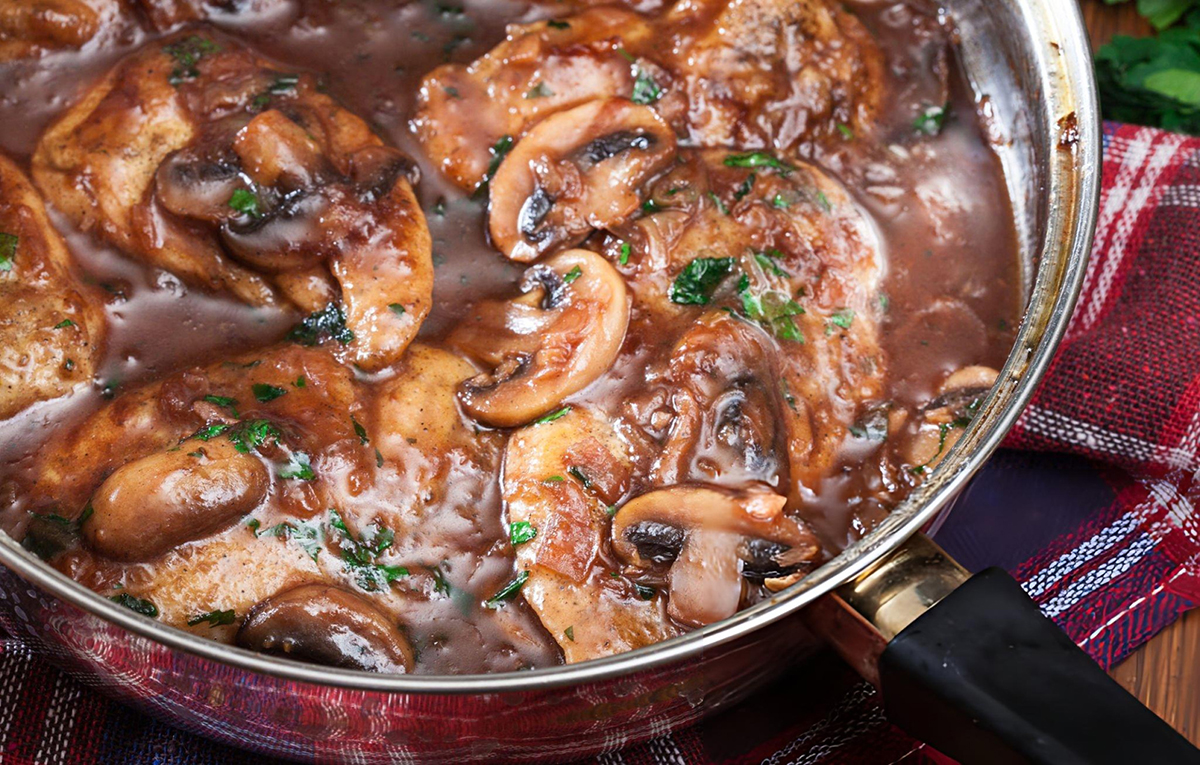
pixel 984 677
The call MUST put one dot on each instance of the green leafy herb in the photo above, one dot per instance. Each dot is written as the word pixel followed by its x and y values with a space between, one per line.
pixel 396 308
pixel 744 189
pixel 552 416
pixel 253 524
pixel 572 275
pixel 137 605
pixel 846 131
pixel 214 618
pixel 626 249
pixel 769 262
pixel 823 201
pixel 520 532
pixel 644 592
pixel 8 250
pixel 842 317
pixel 452 92
pixel 64 324
pixel 696 282
pixel 187 53
pixel 930 120
pixel 264 392
pixel 301 382
pixel 508 591
pixel 225 402
pixel 48 534
pixel 440 583
pixel 360 431
pixel 758 159
pixel 298 467
pixel 209 432
pixel 873 426
pixel 378 458
pixel 248 436
pixel 716 200
pixel 360 554
pixel 580 476
pixel 570 633
pixel 626 55
pixel 328 322
pixel 556 24
pixel 553 479
pixel 306 534
pixel 69 364
pixel 772 309
pixel 780 202
pixel 649 207
pixel 645 89
pixel 245 202
pixel 539 91
pixel 499 150
pixel 284 83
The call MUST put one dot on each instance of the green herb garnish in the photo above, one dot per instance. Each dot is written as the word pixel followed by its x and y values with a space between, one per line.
pixel 520 532
pixel 264 392
pixel 758 159
pixel 360 431
pixel 539 91
pixel 695 283
pixel 328 322
pixel 930 120
pixel 626 249
pixel 499 150
pixel 214 618
pixel 360 554
pixel 137 605
pixel 225 402
pixel 187 53
pixel 248 436
pixel 572 275
pixel 298 467
pixel 508 591
pixel 645 89
pixel 552 416
pixel 8 250
pixel 64 324
pixel 245 202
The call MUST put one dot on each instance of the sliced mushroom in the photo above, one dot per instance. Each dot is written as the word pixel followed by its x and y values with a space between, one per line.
pixel 324 624
pixel 561 334
pixel 711 538
pixel 946 418
pixel 153 504
pixel 576 171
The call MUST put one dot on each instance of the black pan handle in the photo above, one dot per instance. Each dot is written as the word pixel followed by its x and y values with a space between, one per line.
pixel 985 678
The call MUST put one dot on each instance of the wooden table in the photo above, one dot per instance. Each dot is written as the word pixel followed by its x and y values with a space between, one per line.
pixel 1165 672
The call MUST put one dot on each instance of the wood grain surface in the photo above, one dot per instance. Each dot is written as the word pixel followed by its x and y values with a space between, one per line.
pixel 1164 673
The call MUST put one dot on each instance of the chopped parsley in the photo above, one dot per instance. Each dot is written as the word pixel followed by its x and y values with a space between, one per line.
pixel 645 89
pixel 378 458
pixel 48 534
pixel 328 322
pixel 645 592
pixel 769 262
pixel 846 131
pixel 520 532
pixel 452 92
pixel 137 605
pixel 744 189
pixel 716 200
pixel 359 555
pixel 499 151
pixel 780 202
pixel 572 275
pixel 823 201
pixel 570 633
pixel 696 282
pixel 284 83
pixel 508 591
pixel 626 249
pixel 873 426
pixel 187 53
pixel 539 91
pixel 553 479
pixel 247 436
pixel 209 432
pixel 264 392
pixel 245 202
pixel 298 467
pixel 396 308
pixel 307 535
pixel 930 120
pixel 842 317
pixel 301 382
pixel 64 324
pixel 556 24
pixel 772 309
pixel 552 416
pixel 214 618
pixel 225 402
pixel 758 159
pixel 8 250
pixel 580 476
pixel 360 431
pixel 649 207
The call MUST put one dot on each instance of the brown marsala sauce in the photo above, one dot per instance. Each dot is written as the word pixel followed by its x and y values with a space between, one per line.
pixel 372 55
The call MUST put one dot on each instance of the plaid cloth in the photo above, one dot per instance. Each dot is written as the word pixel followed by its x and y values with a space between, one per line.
pixel 1101 532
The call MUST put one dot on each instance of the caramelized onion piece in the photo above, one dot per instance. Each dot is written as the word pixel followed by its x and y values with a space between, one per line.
pixel 711 539
pixel 324 624
pixel 153 504
pixel 562 333
pixel 576 171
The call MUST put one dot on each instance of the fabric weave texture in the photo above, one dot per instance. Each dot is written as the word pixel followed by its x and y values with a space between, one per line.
pixel 1091 507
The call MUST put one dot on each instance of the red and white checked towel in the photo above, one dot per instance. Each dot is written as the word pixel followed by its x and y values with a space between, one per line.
pixel 1103 533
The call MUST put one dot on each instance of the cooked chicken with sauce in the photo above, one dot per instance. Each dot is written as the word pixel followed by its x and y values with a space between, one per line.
pixel 506 347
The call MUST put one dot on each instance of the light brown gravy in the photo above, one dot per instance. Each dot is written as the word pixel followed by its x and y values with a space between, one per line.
pixel 372 55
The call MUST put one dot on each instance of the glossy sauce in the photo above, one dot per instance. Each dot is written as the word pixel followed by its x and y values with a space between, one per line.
pixel 952 282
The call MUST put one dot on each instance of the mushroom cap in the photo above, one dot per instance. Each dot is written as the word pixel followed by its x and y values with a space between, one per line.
pixel 555 339
pixel 711 538
pixel 576 171
pixel 325 624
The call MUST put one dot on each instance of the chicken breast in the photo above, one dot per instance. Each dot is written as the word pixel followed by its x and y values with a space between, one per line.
pixel 198 157
pixel 51 326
